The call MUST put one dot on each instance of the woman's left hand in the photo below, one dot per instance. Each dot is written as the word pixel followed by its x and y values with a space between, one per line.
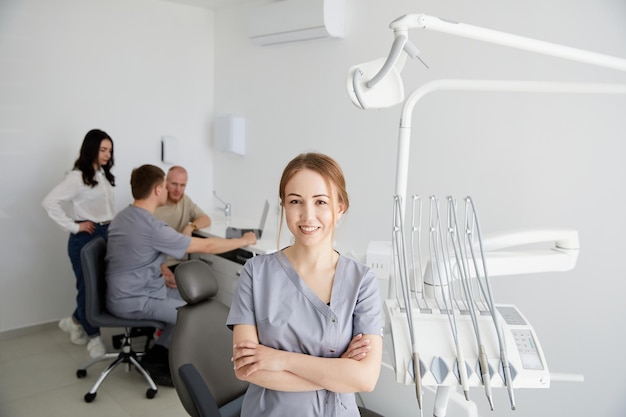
pixel 358 348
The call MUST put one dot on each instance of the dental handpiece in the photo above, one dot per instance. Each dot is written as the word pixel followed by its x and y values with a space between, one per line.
pixel 507 378
pixel 418 380
pixel 462 371
pixel 484 371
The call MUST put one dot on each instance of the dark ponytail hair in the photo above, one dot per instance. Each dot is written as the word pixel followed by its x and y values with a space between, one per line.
pixel 89 153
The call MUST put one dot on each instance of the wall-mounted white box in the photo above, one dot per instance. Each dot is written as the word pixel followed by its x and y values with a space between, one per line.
pixel 230 134
pixel 169 149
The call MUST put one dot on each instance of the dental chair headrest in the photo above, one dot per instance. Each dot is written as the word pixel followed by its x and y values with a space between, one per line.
pixel 195 281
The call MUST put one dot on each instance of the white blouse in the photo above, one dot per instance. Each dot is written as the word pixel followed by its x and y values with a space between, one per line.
pixel 72 200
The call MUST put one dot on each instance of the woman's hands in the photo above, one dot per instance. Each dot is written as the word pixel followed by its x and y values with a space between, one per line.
pixel 87 227
pixel 358 348
pixel 249 357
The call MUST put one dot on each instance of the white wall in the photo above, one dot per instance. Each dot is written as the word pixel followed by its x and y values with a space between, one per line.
pixel 529 161
pixel 138 69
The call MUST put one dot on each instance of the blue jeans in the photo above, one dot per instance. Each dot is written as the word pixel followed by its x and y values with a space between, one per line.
pixel 75 244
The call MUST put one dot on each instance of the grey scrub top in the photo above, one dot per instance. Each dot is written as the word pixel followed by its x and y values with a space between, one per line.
pixel 290 317
pixel 138 244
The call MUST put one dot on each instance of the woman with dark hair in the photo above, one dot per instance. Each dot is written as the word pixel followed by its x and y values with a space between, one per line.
pixel 82 204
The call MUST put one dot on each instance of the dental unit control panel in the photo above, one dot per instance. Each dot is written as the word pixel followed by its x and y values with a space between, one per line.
pixel 438 358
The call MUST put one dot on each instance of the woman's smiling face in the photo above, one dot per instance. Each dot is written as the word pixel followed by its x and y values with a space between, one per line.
pixel 311 208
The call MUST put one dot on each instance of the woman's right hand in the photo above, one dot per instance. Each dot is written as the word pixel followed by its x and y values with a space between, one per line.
pixel 87 227
pixel 358 348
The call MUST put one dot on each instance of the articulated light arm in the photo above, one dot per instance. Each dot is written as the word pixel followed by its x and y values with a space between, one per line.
pixel 422 21
pixel 494 86
pixel 377 84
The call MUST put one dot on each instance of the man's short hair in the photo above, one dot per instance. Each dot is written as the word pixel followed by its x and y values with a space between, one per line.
pixel 177 168
pixel 144 179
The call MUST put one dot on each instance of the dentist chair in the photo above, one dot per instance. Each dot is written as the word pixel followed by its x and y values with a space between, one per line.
pixel 202 346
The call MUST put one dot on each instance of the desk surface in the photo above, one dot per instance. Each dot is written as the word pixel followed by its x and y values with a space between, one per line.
pixel 267 244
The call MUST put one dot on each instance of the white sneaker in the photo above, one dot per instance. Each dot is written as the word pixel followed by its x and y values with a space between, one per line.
pixel 77 334
pixel 96 347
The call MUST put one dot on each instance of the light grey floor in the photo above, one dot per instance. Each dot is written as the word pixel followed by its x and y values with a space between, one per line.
pixel 38 379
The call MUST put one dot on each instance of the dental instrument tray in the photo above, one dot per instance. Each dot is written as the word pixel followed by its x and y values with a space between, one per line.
pixel 446 329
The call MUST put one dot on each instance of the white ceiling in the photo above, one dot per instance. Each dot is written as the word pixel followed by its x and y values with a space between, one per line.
pixel 210 4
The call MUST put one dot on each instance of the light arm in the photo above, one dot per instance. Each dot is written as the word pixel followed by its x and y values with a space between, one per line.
pixel 377 84
pixel 463 30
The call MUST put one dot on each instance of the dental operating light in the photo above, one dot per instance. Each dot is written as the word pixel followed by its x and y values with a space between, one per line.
pixel 377 84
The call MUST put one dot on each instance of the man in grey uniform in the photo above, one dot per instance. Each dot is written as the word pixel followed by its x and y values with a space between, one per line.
pixel 137 246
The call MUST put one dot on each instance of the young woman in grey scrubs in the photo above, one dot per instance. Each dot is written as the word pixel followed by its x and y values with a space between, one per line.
pixel 307 321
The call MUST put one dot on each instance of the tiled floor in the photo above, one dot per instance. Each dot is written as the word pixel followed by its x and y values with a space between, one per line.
pixel 38 378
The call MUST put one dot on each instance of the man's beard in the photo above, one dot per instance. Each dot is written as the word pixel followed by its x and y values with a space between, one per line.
pixel 174 200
